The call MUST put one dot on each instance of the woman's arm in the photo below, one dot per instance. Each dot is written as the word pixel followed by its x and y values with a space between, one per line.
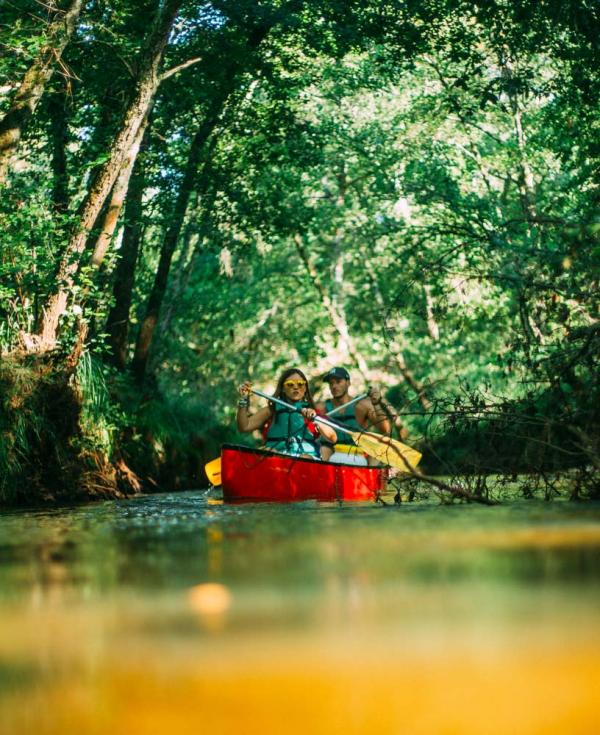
pixel 246 421
pixel 325 431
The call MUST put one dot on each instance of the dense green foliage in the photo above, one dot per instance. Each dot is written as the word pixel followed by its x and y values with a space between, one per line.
pixel 407 188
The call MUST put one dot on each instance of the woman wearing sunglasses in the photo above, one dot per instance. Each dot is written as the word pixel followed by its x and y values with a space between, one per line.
pixel 290 431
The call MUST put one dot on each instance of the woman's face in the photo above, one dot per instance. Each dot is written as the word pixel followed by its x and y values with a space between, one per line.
pixel 294 387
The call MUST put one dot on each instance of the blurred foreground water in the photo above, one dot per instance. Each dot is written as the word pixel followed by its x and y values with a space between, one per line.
pixel 176 613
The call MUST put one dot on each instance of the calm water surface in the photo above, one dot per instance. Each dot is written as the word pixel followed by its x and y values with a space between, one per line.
pixel 177 613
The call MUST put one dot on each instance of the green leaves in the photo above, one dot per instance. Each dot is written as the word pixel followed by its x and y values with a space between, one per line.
pixel 438 161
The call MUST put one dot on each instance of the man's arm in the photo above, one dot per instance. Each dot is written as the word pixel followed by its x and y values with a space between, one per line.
pixel 370 413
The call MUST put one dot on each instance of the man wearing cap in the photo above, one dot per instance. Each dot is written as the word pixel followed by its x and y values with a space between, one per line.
pixel 364 414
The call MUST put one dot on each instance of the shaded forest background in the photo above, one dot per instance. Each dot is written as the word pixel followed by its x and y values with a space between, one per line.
pixel 193 193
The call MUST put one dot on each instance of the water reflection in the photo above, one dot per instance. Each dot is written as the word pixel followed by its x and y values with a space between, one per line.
pixel 176 612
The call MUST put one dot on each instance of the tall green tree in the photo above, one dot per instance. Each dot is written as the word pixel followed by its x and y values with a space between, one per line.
pixel 61 26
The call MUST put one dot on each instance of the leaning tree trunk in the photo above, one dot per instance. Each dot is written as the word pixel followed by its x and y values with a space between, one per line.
pixel 117 323
pixel 190 255
pixel 147 328
pixel 336 316
pixel 332 299
pixel 183 268
pixel 117 199
pixel 34 82
pixel 147 84
pixel 196 153
pixel 418 388
pixel 527 196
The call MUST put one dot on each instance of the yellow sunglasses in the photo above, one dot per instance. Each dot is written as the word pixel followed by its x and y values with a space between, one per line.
pixel 295 383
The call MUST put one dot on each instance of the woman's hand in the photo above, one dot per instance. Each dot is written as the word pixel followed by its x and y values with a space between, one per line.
pixel 308 413
pixel 245 389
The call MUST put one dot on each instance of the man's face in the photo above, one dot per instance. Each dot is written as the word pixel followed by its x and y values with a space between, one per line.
pixel 338 387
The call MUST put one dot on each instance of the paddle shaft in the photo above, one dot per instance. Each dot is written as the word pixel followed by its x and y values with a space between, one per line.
pixel 318 419
pixel 382 448
pixel 345 405
pixel 213 468
pixel 359 438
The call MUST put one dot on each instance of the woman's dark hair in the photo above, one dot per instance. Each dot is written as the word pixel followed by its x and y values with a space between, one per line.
pixel 279 393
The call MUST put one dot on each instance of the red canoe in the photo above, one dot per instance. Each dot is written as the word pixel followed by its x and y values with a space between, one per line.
pixel 256 475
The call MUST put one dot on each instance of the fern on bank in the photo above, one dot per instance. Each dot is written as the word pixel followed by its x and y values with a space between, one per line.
pixel 65 437
pixel 101 418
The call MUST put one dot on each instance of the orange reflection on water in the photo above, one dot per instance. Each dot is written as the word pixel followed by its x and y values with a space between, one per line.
pixel 210 602
pixel 294 689
pixel 398 633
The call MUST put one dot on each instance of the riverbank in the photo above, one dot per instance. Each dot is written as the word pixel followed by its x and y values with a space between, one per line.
pixel 75 433
pixel 74 429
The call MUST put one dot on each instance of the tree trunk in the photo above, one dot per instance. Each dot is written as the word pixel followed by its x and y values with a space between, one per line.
pixel 148 326
pixel 59 134
pixel 190 256
pixel 525 179
pixel 419 388
pixel 333 301
pixel 147 84
pixel 337 319
pixel 117 323
pixel 432 325
pixel 527 196
pixel 117 199
pixel 183 270
pixel 34 82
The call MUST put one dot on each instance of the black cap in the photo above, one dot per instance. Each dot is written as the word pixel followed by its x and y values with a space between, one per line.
pixel 337 372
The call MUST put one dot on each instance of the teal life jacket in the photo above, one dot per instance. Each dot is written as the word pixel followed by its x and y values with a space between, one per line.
pixel 289 434
pixel 345 417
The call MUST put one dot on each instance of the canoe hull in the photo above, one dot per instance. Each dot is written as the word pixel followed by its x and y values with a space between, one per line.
pixel 253 475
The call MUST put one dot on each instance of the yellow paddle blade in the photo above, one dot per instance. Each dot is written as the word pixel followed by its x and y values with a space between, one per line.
pixel 347 449
pixel 213 471
pixel 387 450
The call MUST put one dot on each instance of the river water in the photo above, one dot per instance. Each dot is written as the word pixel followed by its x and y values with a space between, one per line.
pixel 178 613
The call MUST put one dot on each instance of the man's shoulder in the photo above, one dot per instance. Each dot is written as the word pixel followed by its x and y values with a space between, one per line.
pixel 363 406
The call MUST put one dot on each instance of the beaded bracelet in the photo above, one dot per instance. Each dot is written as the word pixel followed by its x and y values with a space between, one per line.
pixel 244 402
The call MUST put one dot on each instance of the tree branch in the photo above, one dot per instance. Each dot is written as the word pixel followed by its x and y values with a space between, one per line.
pixel 179 67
